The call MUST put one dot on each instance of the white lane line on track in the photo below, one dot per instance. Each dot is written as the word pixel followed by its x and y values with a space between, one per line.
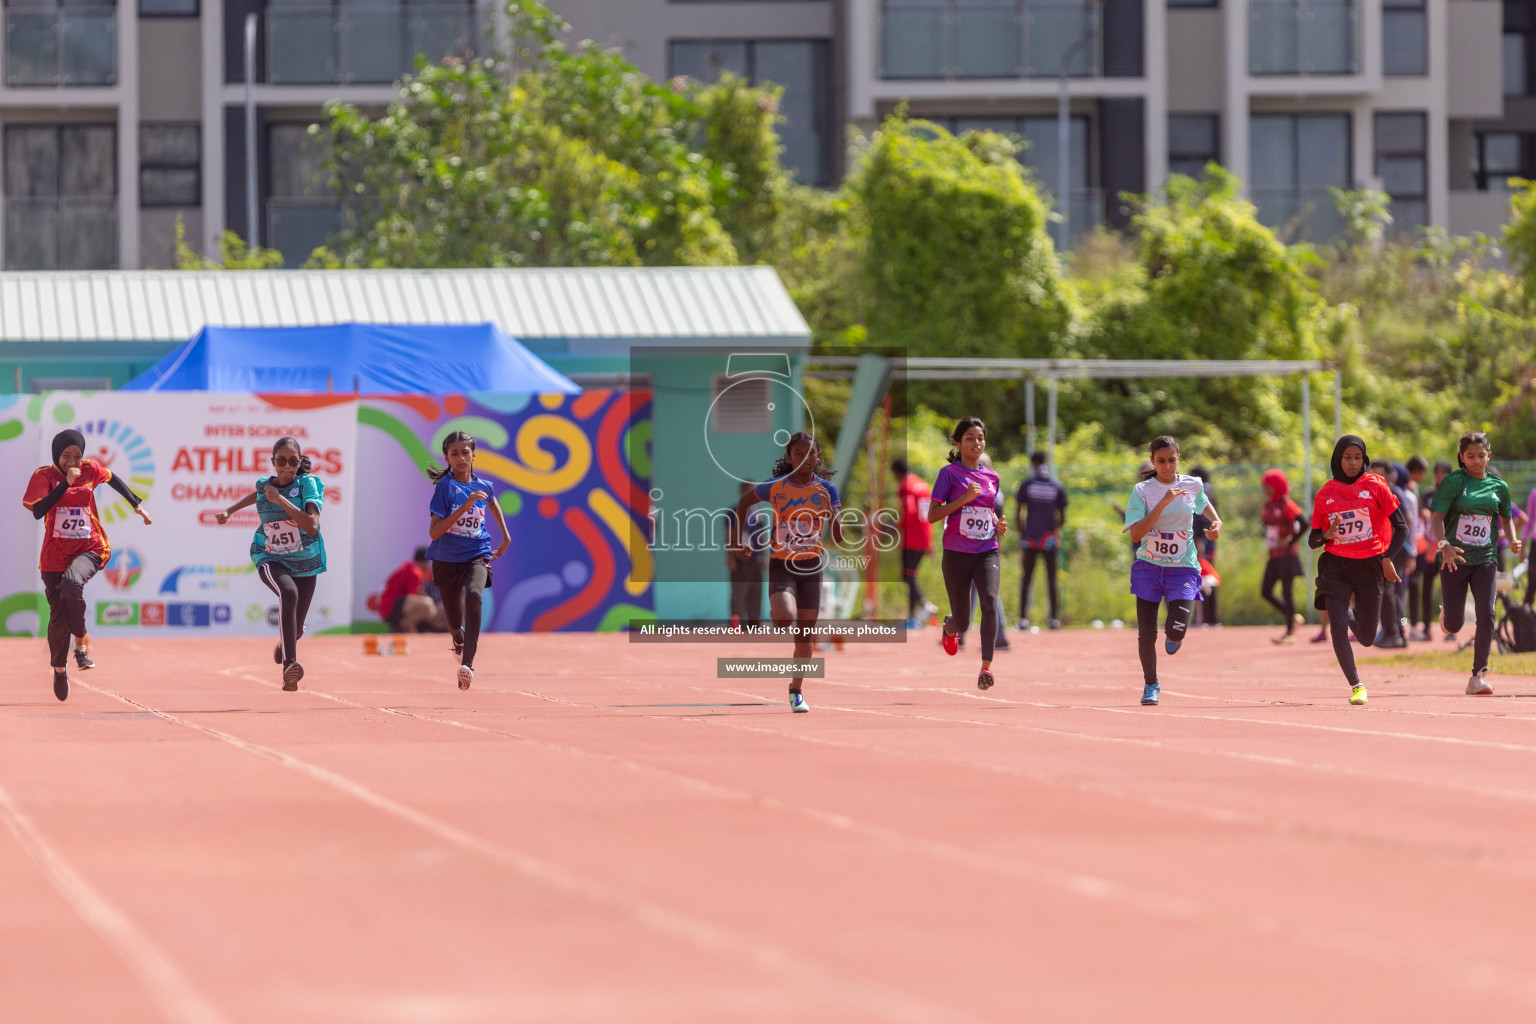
pixel 871 998
pixel 167 986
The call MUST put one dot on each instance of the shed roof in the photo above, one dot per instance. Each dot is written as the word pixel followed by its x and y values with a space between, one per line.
pixel 662 305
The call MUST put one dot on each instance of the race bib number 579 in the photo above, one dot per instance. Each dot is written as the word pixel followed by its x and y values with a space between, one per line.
pixel 1354 527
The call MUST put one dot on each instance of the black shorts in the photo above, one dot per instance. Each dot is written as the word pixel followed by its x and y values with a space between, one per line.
pixel 396 610
pixel 804 581
pixel 455 575
pixel 1284 566
pixel 1360 578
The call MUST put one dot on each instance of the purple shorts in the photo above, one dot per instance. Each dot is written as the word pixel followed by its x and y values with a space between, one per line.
pixel 1161 582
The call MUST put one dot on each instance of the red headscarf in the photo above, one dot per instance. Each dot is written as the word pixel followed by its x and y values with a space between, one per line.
pixel 1278 485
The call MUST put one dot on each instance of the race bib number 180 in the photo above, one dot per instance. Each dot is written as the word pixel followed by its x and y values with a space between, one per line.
pixel 72 523
pixel 1354 527
pixel 1475 531
pixel 1165 546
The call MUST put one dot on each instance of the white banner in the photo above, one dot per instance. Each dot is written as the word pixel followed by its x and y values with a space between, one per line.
pixel 191 454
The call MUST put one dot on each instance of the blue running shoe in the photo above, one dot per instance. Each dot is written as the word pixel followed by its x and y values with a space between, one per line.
pixel 1172 647
pixel 797 703
pixel 1149 693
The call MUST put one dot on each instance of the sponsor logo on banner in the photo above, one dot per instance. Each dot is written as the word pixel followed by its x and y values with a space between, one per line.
pixel 186 614
pixel 124 568
pixel 152 613
pixel 221 613
pixel 117 613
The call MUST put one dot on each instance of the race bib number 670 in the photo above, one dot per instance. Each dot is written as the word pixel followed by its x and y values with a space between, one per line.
pixel 71 523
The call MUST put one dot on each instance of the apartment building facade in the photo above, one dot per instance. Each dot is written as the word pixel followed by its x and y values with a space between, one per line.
pixel 116 119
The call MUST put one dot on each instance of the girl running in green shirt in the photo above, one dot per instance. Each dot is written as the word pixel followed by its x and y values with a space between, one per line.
pixel 1471 505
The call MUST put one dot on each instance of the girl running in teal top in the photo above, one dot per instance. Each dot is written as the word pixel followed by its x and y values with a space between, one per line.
pixel 1470 509
pixel 288 550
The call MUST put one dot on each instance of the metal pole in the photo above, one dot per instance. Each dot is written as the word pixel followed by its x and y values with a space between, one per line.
pixel 252 234
pixel 1050 415
pixel 1338 402
pixel 1029 412
pixel 1306 458
pixel 1063 160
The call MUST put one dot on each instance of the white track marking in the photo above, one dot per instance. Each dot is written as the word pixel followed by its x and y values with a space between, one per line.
pixel 869 997
pixel 166 985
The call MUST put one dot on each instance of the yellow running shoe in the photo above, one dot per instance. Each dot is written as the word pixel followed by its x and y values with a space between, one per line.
pixel 1357 696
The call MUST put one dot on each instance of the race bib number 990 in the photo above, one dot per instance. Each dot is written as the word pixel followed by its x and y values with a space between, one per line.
pixel 1165 546
pixel 72 523
pixel 471 523
pixel 1354 527
pixel 1475 531
pixel 799 535
pixel 282 538
pixel 976 523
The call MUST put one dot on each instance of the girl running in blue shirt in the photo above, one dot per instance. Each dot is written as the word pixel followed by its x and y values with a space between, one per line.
pixel 461 551
pixel 288 550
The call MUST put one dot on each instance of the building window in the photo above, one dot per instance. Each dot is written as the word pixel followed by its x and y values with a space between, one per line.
pixel 1402 165
pixel 1519 46
pixel 1404 37
pixel 1294 160
pixel 801 67
pixel 61 197
pixel 169 8
pixel 1192 3
pixel 302 211
pixel 990 38
pixel 170 165
pixel 60 42
pixel 1194 140
pixel 1499 156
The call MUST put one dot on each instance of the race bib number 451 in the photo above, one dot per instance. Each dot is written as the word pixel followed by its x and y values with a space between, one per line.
pixel 1354 527
pixel 72 523
pixel 1473 530
pixel 282 538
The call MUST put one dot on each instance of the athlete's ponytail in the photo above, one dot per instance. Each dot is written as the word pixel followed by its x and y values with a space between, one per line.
pixel 305 466
pixel 960 429
pixel 458 436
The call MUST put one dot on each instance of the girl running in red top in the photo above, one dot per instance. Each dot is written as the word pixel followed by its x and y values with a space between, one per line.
pixel 1284 523
pixel 75 546
pixel 1358 522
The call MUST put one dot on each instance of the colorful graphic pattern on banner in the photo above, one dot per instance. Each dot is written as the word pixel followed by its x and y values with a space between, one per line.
pixel 572 474
pixel 188 455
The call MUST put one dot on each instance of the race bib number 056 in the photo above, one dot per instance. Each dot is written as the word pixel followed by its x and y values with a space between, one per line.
pixel 1476 531
pixel 1354 527
pixel 471 523
pixel 72 523
pixel 282 538
pixel 976 523
pixel 1165 546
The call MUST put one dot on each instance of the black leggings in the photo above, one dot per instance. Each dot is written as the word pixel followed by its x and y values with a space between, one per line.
pixel 1483 581
pixel 294 593
pixel 1421 592
pixel 461 584
pixel 66 604
pixel 1285 604
pixel 1031 555
pixel 1174 626
pixel 961 569
pixel 911 558
pixel 1340 580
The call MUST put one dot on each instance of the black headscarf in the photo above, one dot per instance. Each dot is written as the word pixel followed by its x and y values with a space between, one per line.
pixel 1337 465
pixel 63 439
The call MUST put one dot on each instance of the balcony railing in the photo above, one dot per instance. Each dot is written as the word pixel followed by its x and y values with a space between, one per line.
pixel 62 46
pixel 1005 39
pixel 297 227
pixel 1303 37
pixel 361 45
pixel 1299 213
pixel 61 233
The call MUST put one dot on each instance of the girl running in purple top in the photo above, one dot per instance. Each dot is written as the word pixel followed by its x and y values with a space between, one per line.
pixel 965 497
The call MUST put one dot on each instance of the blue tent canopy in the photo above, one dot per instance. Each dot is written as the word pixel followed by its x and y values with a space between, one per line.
pixel 368 358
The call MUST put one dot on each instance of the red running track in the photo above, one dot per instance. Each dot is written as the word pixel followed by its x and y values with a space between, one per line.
pixel 599 832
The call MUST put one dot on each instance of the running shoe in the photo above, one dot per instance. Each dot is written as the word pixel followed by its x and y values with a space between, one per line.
pixel 929 608
pixel 1357 696
pixel 277 653
pixel 1322 636
pixel 1149 693
pixel 1419 636
pixel 466 676
pixel 797 703
pixel 1003 645
pixel 292 673
pixel 1477 685
pixel 1172 646
pixel 456 637
pixel 1284 638
pixel 1298 620
pixel 61 684
pixel 1023 624
pixel 1053 624
pixel 911 622
pixel 83 658
pixel 949 641
pixel 984 681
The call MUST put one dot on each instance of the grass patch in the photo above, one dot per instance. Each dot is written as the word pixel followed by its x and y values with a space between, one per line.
pixel 1461 661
